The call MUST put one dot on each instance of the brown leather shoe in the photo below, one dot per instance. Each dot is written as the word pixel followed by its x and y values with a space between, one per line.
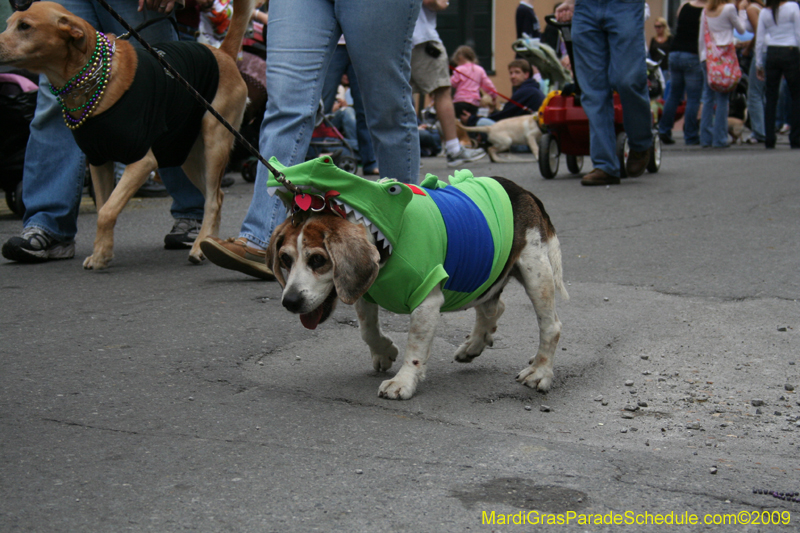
pixel 235 254
pixel 599 177
pixel 637 163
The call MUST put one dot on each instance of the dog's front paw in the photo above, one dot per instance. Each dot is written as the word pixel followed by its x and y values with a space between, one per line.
pixel 473 347
pixel 538 376
pixel 399 388
pixel 97 261
pixel 196 257
pixel 383 361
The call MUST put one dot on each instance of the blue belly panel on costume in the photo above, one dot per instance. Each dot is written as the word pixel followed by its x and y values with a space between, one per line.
pixel 470 246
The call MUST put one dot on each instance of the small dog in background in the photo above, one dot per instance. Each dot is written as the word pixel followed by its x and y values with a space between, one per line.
pixel 736 128
pixel 504 133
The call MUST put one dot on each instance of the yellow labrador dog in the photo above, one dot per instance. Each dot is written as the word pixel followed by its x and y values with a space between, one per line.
pixel 380 245
pixel 504 133
pixel 122 106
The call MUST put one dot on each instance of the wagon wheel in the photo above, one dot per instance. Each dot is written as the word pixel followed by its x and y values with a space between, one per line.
pixel 654 164
pixel 575 163
pixel 548 156
pixel 14 200
pixel 622 153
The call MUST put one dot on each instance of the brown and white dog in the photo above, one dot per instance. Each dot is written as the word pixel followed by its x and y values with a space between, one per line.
pixel 504 133
pixel 50 40
pixel 319 258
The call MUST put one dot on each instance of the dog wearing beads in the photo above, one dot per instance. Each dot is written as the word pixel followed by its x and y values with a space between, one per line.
pixel 122 106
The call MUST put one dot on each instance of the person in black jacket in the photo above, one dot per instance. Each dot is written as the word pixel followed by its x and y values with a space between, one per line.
pixel 525 91
pixel 527 22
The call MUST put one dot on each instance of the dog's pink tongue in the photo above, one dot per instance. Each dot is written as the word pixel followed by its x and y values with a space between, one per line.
pixel 311 320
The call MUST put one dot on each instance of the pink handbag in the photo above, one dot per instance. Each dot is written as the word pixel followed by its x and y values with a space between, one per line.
pixel 722 64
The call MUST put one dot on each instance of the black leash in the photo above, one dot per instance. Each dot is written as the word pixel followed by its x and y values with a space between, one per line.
pixel 22 5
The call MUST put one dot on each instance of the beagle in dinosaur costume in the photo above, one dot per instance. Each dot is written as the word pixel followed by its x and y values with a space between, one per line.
pixel 419 251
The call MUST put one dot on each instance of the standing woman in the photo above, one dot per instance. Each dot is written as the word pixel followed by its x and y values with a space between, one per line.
pixel 777 41
pixel 686 76
pixel 755 86
pixel 719 18
pixel 662 41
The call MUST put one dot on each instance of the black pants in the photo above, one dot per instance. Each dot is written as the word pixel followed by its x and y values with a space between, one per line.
pixel 782 61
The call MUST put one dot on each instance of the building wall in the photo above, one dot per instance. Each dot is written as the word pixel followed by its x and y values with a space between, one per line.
pixel 506 33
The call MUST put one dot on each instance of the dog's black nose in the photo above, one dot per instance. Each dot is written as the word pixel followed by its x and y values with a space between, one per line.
pixel 292 301
pixel 20 5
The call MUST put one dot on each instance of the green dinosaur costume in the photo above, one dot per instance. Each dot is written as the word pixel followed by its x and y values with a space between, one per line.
pixel 458 234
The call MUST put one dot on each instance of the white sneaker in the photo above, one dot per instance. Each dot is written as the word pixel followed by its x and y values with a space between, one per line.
pixel 465 155
pixel 36 246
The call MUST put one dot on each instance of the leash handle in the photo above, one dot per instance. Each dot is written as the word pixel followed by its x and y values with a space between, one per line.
pixel 186 85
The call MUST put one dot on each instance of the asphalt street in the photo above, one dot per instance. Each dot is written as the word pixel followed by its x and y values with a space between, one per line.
pixel 162 396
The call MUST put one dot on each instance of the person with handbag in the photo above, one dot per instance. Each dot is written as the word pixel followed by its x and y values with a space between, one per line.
pixel 721 67
pixel 777 55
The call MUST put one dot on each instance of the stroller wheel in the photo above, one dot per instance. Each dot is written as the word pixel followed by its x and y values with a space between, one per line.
pixel 549 155
pixel 347 163
pixel 14 200
pixel 249 170
pixel 622 153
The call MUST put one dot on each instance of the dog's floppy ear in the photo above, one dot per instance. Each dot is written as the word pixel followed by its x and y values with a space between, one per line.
pixel 275 243
pixel 355 259
pixel 72 27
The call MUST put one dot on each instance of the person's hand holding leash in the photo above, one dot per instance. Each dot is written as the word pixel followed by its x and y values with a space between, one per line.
pixel 162 6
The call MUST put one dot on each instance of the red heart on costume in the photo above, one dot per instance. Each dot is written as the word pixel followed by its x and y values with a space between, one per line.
pixel 303 201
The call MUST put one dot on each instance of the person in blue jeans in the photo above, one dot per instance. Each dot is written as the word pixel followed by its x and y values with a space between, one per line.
pixel 341 64
pixel 302 36
pixel 609 49
pixel 53 176
pixel 686 76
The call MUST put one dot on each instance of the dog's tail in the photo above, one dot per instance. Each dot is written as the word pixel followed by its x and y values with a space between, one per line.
pixel 554 256
pixel 242 11
pixel 477 129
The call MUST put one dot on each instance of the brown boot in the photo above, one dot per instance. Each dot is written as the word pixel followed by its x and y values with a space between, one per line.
pixel 599 177
pixel 637 163
pixel 235 254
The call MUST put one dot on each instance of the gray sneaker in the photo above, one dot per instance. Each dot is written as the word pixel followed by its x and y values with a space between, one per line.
pixel 182 234
pixel 36 246
pixel 465 155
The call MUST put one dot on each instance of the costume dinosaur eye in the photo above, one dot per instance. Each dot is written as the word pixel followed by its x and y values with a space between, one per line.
pixel 394 190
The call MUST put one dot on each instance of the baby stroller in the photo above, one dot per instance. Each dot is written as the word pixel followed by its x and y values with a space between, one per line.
pixel 328 140
pixel 18 91
pixel 567 126
pixel 544 58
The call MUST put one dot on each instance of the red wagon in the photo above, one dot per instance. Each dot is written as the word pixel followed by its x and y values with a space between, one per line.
pixel 566 128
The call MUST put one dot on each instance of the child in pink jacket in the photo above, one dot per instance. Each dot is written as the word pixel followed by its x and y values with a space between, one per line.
pixel 467 80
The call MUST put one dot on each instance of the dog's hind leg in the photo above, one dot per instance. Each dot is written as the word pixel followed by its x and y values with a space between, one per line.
pixel 109 206
pixel 383 350
pixel 486 316
pixel 535 272
pixel 420 337
pixel 205 167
